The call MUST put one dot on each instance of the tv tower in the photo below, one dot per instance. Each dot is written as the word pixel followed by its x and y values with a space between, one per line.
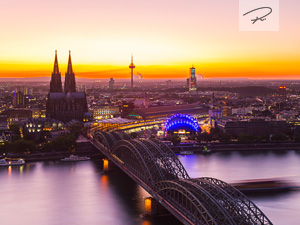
pixel 131 66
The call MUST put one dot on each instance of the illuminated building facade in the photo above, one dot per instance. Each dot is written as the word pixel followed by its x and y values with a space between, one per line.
pixel 5 136
pixel 282 92
pixel 27 91
pixel 182 124
pixel 18 99
pixel 254 127
pixel 34 128
pixel 193 80
pixel 213 115
pixel 38 113
pixel 105 112
pixel 126 107
pixel 87 117
pixel 13 115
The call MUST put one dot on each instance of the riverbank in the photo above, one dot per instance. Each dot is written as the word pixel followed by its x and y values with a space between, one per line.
pixel 87 149
pixel 224 147
pixel 83 149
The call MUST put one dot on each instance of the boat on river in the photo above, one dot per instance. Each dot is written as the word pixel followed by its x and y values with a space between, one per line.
pixel 12 162
pixel 206 150
pixel 264 185
pixel 186 153
pixel 74 158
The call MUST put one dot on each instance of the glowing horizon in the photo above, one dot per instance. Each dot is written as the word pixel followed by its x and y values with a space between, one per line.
pixel 166 38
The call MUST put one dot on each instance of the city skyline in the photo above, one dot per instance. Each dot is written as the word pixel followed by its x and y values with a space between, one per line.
pixel 130 112
pixel 166 38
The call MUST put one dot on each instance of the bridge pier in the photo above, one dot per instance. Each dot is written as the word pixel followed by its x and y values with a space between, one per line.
pixel 153 208
pixel 108 165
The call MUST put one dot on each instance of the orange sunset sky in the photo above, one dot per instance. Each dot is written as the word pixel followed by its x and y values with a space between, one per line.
pixel 166 38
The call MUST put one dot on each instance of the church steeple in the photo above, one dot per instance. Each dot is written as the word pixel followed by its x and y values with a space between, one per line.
pixel 70 84
pixel 56 69
pixel 55 83
pixel 70 67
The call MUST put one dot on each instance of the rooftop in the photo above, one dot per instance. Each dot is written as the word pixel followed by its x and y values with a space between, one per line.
pixel 164 111
pixel 117 120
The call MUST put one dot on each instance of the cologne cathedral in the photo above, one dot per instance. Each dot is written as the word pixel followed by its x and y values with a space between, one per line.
pixel 68 104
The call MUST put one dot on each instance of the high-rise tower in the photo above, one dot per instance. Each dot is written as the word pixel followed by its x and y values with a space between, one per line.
pixel 131 66
pixel 55 83
pixel 282 92
pixel 111 83
pixel 70 85
pixel 193 80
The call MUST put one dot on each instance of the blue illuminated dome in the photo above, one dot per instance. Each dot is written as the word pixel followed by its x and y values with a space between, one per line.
pixel 182 121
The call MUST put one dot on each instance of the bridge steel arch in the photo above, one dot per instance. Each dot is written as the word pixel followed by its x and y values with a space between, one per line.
pixel 158 173
pixel 126 136
pixel 110 139
pixel 167 159
pixel 162 165
pixel 175 162
pixel 218 211
pixel 235 210
pixel 257 216
pixel 99 136
pixel 121 135
pixel 136 158
pixel 197 206
pixel 118 136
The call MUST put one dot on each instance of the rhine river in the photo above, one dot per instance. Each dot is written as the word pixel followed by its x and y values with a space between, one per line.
pixel 64 193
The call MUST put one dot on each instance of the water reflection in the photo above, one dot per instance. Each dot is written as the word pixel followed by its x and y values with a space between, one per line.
pixel 280 152
pixel 253 152
pixel 17 169
pixel 225 154
pixel 9 170
pixel 104 181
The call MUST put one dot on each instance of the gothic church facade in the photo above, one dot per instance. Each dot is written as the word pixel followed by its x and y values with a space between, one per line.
pixel 68 104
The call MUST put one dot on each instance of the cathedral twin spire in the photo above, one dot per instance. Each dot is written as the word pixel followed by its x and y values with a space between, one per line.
pixel 70 84
pixel 55 83
pixel 56 69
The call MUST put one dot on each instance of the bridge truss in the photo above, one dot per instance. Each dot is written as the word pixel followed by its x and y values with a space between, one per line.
pixel 199 201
